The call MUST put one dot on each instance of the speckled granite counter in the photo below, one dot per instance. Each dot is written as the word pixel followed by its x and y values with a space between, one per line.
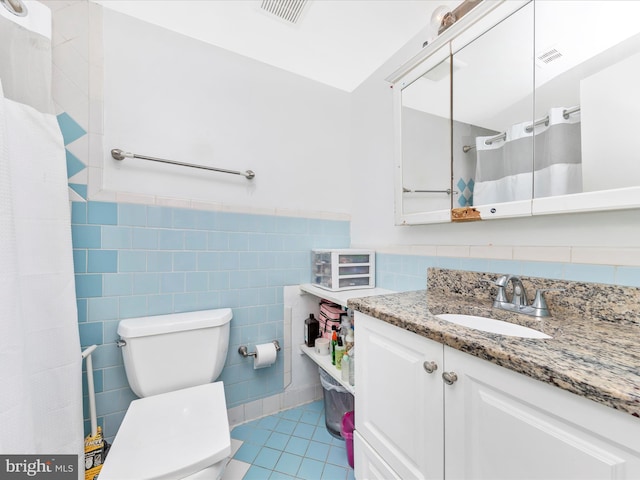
pixel 595 346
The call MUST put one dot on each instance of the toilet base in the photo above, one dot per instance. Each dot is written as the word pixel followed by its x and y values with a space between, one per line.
pixel 214 472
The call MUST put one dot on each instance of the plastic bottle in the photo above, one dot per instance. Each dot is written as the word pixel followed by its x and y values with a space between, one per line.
pixel 334 342
pixel 352 364
pixel 339 353
pixel 348 339
pixel 346 367
pixel 311 330
pixel 345 326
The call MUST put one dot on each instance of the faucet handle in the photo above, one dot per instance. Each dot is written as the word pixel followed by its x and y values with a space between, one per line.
pixel 540 303
pixel 501 282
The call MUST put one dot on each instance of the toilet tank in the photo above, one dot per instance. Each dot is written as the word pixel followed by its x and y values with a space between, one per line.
pixel 163 353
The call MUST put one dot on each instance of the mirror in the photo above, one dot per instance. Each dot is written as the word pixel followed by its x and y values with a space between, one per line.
pixel 503 154
pixel 426 142
pixel 587 57
pixel 492 110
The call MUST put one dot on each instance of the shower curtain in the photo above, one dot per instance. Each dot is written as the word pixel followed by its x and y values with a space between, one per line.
pixel 545 160
pixel 40 357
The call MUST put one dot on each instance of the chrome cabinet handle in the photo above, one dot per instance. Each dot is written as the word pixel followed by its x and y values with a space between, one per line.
pixel 430 367
pixel 449 377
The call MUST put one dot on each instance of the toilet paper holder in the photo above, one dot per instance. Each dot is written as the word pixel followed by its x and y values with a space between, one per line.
pixel 242 350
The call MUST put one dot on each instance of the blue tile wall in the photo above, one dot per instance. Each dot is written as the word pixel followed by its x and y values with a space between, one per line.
pixel 409 272
pixel 138 260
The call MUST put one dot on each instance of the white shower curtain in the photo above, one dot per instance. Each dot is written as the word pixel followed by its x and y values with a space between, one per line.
pixel 40 358
pixel 544 161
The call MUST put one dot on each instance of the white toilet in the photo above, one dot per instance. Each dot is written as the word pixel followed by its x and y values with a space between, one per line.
pixel 179 428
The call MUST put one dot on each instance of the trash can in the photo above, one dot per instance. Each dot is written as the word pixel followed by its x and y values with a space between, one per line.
pixel 337 402
pixel 348 426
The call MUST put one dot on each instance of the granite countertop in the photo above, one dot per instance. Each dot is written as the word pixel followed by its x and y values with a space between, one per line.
pixel 596 359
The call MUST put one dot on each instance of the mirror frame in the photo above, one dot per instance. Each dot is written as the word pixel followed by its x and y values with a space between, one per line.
pixel 474 24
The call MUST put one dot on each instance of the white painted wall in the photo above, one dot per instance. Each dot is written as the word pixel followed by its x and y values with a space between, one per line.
pixel 372 193
pixel 609 126
pixel 170 96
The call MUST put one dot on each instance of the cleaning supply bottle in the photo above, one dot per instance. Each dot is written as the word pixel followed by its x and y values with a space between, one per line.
pixel 311 330
pixel 339 353
pixel 346 366
pixel 334 342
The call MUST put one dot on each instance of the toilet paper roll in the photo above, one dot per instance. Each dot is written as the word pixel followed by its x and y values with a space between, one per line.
pixel 265 355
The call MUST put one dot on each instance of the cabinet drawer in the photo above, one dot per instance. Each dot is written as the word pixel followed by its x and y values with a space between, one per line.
pixel 343 269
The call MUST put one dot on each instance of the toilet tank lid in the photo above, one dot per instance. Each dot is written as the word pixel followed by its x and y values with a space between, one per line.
pixel 175 322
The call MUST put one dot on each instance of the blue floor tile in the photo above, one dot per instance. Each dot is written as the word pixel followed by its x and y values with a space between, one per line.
pixel 310 469
pixel 333 472
pixel 293 414
pixel 267 458
pixel 256 473
pixel 285 426
pixel 288 463
pixel 277 441
pixel 242 432
pixel 280 476
pixel 247 452
pixel 292 444
pixel 304 430
pixel 297 446
pixel 317 451
pixel 338 456
pixel 317 406
pixel 259 436
pixel 321 434
pixel 268 423
pixel 311 417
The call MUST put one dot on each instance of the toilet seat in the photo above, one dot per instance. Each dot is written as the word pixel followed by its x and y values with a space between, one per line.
pixel 171 435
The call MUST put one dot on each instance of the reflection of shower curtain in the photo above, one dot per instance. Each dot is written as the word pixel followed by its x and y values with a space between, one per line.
pixel 504 166
pixel 40 361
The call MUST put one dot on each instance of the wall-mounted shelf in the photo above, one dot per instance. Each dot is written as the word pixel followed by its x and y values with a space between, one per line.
pixel 324 362
pixel 342 297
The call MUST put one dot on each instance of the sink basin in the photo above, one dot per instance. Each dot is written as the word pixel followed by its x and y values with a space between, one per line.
pixel 492 325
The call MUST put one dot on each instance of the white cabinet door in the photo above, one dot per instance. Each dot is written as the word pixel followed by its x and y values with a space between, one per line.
pixel 368 465
pixel 399 404
pixel 504 425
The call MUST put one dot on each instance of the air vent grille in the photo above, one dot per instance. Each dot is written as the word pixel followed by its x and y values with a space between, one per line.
pixel 289 10
pixel 547 56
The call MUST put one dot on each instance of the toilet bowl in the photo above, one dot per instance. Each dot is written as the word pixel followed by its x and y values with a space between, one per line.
pixel 172 435
pixel 179 428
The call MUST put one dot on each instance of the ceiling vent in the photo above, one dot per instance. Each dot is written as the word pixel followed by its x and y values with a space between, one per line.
pixel 548 55
pixel 288 10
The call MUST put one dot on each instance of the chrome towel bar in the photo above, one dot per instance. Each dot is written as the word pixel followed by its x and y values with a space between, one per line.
pixel 408 190
pixel 118 154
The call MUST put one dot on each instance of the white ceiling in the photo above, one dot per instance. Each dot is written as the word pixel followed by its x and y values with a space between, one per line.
pixel 337 42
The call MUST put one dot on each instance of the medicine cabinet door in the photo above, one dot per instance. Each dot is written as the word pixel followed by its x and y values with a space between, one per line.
pixel 492 105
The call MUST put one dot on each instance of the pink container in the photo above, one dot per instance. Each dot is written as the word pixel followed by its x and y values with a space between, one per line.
pixel 348 425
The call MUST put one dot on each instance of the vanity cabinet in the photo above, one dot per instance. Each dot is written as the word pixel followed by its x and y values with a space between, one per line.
pixel 488 423
pixel 399 404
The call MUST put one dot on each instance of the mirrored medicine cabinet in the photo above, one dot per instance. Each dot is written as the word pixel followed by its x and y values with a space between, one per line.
pixel 521 108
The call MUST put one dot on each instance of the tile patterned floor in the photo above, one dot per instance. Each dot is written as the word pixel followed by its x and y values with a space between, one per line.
pixel 292 444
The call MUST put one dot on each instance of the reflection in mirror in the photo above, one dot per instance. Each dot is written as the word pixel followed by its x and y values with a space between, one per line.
pixel 587 96
pixel 493 109
pixel 426 142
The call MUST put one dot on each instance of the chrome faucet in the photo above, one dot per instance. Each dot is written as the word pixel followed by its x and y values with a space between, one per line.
pixel 519 302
